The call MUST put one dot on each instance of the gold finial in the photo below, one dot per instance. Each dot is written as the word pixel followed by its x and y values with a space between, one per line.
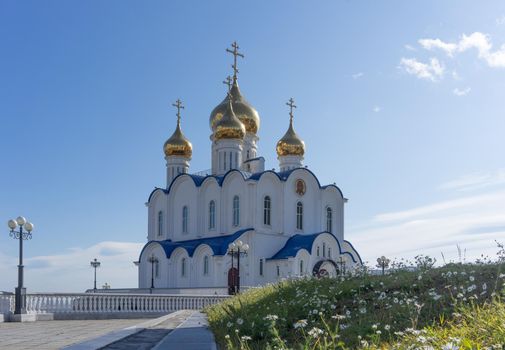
pixel 228 82
pixel 179 106
pixel 235 54
pixel 291 104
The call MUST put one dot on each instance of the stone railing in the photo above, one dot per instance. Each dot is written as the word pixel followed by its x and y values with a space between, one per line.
pixel 80 303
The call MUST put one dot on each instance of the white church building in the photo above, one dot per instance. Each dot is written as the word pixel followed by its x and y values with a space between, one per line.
pixel 285 223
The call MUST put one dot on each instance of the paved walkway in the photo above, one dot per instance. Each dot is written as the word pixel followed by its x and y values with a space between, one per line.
pixel 49 335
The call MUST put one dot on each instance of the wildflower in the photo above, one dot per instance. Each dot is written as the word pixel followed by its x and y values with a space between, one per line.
pixel 450 346
pixel 245 337
pixel 240 321
pixel 229 324
pixel 387 327
pixel 362 310
pixel 484 286
pixel 471 288
pixel 378 332
pixel 271 317
pixel 420 277
pixel 374 326
pixel 315 332
pixel 338 317
pixel 227 336
pixel 300 324
pixel 236 331
pixel 471 278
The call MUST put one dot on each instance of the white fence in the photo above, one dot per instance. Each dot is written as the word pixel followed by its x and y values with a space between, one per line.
pixel 81 303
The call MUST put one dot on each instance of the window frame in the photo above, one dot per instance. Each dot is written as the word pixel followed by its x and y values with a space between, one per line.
pixel 160 223
pixel 185 219
pixel 212 215
pixel 236 211
pixel 329 219
pixel 299 215
pixel 267 211
pixel 206 265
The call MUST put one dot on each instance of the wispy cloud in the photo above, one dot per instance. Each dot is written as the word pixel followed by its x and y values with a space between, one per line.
pixel 500 21
pixel 473 221
pixel 376 109
pixel 410 47
pixel 432 71
pixel 477 40
pixel 461 92
pixel 476 181
pixel 357 75
pixel 70 271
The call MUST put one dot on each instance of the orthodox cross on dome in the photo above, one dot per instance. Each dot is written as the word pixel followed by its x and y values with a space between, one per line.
pixel 179 106
pixel 291 104
pixel 228 82
pixel 235 54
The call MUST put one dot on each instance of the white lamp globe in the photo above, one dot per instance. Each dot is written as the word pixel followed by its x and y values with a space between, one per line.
pixel 245 247
pixel 29 226
pixel 232 246
pixel 21 220
pixel 12 224
pixel 239 244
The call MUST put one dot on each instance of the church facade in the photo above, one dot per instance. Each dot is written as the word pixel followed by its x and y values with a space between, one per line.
pixel 240 224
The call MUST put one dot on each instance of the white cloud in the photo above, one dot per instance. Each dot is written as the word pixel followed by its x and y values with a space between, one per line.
pixel 430 44
pixel 358 75
pixel 462 92
pixel 410 47
pixel 500 21
pixel 432 71
pixel 71 272
pixel 476 181
pixel 473 222
pixel 376 109
pixel 477 40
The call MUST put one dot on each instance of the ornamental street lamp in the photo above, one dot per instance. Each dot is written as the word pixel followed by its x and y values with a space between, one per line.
pixel 237 249
pixel 20 303
pixel 341 262
pixel 153 260
pixel 106 286
pixel 95 264
pixel 383 263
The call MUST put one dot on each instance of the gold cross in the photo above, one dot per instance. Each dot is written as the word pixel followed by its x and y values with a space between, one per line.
pixel 228 82
pixel 235 54
pixel 179 106
pixel 291 104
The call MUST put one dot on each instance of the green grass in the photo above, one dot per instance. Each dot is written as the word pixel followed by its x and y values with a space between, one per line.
pixel 458 304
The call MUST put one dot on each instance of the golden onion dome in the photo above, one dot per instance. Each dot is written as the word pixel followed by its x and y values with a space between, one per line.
pixel 242 109
pixel 178 144
pixel 290 144
pixel 229 126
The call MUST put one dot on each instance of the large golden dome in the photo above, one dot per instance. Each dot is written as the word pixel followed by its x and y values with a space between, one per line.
pixel 178 144
pixel 229 126
pixel 290 144
pixel 242 109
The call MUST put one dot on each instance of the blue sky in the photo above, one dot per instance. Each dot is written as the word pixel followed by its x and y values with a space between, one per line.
pixel 408 126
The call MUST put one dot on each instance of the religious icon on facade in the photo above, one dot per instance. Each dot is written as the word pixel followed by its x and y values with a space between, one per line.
pixel 300 187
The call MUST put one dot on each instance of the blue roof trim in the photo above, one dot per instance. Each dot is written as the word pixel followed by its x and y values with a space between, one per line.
pixel 218 244
pixel 299 241
pixel 282 175
pixel 359 256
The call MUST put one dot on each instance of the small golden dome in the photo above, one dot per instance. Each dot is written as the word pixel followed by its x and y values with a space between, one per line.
pixel 178 144
pixel 242 109
pixel 229 126
pixel 290 144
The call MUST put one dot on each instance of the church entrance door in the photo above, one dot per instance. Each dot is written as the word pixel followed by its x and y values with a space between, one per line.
pixel 232 280
pixel 325 268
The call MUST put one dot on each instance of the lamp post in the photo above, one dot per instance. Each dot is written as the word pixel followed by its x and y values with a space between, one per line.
pixel 383 263
pixel 20 304
pixel 106 286
pixel 95 264
pixel 153 260
pixel 341 262
pixel 237 249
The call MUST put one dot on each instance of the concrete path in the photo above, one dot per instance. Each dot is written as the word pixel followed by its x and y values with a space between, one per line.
pixel 192 334
pixel 50 335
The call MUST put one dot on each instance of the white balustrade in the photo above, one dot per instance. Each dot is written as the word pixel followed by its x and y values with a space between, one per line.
pixel 40 303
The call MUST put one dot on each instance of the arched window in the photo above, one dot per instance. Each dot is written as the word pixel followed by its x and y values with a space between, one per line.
pixel 183 267
pixel 329 219
pixel 267 210
pixel 205 265
pixel 261 267
pixel 317 251
pixel 157 269
pixel 212 215
pixel 324 249
pixel 160 223
pixel 236 211
pixel 301 267
pixel 299 216
pixel 185 219
pixel 329 252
